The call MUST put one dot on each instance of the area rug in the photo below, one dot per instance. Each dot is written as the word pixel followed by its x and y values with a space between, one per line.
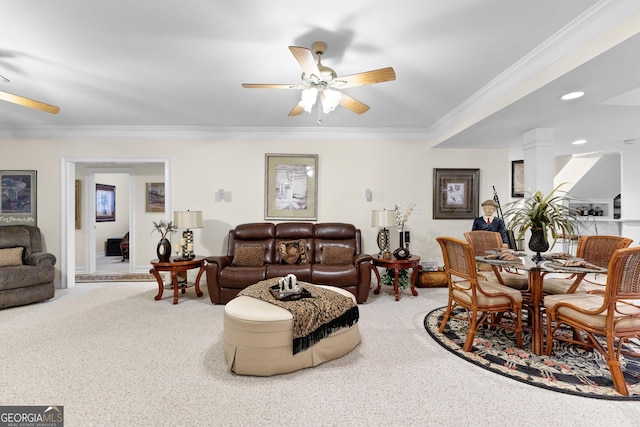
pixel 115 277
pixel 570 369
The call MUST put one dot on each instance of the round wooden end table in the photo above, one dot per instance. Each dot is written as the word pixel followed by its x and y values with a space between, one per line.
pixel 395 264
pixel 175 267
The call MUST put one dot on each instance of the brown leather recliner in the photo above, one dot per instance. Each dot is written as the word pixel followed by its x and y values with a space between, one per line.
pixel 226 276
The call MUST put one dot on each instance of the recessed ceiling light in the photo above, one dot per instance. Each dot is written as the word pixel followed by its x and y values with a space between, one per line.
pixel 572 95
pixel 579 141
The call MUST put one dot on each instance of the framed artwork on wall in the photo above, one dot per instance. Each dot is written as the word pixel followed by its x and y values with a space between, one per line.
pixel 291 186
pixel 18 190
pixel 455 193
pixel 517 178
pixel 154 197
pixel 105 203
pixel 78 200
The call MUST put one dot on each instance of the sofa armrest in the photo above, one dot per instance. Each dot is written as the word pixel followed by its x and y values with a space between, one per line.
pixel 221 261
pixel 363 264
pixel 214 266
pixel 360 258
pixel 41 258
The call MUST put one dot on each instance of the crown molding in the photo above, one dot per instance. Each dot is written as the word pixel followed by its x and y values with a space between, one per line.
pixel 209 133
pixel 601 27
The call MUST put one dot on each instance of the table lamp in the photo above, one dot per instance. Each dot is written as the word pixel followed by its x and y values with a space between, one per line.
pixel 383 218
pixel 187 220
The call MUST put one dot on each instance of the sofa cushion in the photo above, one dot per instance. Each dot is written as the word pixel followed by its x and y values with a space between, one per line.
pixel 11 256
pixel 337 255
pixel 293 251
pixel 249 256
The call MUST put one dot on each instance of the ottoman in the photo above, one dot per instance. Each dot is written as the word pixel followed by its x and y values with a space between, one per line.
pixel 258 339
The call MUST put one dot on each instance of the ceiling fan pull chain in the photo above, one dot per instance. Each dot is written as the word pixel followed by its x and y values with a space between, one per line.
pixel 319 114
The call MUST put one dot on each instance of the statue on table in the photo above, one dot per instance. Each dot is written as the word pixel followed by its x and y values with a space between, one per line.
pixel 490 222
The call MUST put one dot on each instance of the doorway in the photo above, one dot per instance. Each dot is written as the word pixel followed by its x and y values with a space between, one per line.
pixel 76 253
pixel 105 234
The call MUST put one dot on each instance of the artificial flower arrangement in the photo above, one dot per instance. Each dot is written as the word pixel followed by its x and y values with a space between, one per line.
pixel 404 281
pixel 401 218
pixel 163 227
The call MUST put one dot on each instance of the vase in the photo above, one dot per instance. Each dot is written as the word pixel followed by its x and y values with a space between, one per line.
pixel 163 250
pixel 538 242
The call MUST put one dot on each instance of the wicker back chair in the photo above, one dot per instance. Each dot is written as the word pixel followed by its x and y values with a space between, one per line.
pixel 479 298
pixel 613 313
pixel 597 250
pixel 483 241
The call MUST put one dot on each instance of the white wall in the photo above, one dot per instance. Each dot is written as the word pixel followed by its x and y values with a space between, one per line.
pixel 396 172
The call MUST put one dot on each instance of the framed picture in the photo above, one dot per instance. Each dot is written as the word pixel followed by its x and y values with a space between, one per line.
pixel 18 190
pixel 154 197
pixel 78 200
pixel 105 203
pixel 455 193
pixel 291 186
pixel 517 178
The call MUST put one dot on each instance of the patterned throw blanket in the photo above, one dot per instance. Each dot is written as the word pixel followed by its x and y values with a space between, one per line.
pixel 313 318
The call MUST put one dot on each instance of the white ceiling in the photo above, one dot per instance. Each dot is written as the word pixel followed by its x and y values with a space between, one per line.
pixel 467 70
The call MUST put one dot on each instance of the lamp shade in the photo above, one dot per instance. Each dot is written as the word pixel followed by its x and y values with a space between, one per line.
pixel 188 219
pixel 382 218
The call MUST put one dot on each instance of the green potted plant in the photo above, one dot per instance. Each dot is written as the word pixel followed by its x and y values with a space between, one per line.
pixel 542 215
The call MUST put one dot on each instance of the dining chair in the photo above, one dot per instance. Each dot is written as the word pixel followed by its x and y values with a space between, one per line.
pixel 481 299
pixel 483 241
pixel 596 250
pixel 613 313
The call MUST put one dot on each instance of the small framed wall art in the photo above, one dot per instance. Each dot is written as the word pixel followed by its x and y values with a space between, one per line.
pixel 517 178
pixel 18 190
pixel 455 193
pixel 154 197
pixel 105 203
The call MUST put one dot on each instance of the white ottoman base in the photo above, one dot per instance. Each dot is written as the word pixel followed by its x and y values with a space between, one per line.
pixel 258 339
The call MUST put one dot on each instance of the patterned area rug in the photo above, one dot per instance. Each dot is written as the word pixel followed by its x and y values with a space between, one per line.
pixel 115 277
pixel 569 369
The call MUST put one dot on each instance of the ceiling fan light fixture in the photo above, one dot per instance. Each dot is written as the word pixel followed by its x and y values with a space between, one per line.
pixel 330 100
pixel 308 98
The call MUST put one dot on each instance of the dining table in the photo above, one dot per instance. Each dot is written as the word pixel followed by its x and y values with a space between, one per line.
pixel 533 296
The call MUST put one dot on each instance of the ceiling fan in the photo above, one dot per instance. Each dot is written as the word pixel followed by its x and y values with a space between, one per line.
pixel 321 81
pixel 26 102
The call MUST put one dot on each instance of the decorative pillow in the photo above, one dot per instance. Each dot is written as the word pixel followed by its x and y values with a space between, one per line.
pixel 293 251
pixel 10 256
pixel 336 255
pixel 249 256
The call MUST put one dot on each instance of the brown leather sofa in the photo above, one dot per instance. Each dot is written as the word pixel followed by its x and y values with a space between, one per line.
pixel 333 253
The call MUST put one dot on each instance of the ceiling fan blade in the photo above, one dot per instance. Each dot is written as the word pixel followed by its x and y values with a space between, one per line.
pixel 272 86
pixel 353 104
pixel 366 78
pixel 26 102
pixel 296 111
pixel 306 60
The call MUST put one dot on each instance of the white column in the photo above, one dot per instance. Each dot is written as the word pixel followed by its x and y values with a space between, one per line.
pixel 630 202
pixel 538 160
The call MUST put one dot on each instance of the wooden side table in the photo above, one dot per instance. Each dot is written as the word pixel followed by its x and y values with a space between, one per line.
pixel 412 262
pixel 175 267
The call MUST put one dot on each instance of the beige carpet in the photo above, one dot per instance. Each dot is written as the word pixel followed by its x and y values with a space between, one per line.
pixel 111 355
